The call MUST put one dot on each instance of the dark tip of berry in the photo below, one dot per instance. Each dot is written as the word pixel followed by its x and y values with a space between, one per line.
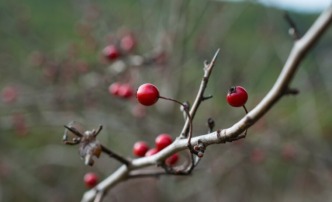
pixel 232 90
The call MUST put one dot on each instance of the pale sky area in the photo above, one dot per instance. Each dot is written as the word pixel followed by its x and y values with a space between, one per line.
pixel 304 6
pixel 299 5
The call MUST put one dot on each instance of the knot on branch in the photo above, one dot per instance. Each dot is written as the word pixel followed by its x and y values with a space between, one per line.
pixel 89 146
pixel 224 138
pixel 200 148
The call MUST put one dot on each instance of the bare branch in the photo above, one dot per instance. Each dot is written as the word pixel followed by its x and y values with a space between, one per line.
pixel 297 54
pixel 208 67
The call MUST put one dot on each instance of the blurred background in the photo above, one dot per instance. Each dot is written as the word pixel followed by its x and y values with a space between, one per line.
pixel 58 60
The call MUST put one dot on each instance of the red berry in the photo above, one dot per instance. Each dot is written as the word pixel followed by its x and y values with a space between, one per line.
pixel 140 148
pixel 162 141
pixel 9 94
pixel 237 96
pixel 151 152
pixel 111 52
pixel 172 160
pixel 90 180
pixel 114 88
pixel 128 43
pixel 147 94
pixel 125 91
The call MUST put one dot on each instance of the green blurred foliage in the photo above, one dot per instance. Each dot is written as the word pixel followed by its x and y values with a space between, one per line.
pixel 52 72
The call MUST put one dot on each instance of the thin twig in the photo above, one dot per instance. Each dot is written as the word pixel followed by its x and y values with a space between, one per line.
pixel 115 155
pixel 190 147
pixel 293 31
pixel 208 67
pixel 188 118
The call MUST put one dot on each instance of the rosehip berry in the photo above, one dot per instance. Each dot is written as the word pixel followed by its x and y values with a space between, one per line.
pixel 147 94
pixel 237 96
pixel 128 43
pixel 162 141
pixel 151 152
pixel 111 52
pixel 140 148
pixel 90 180
pixel 172 160
pixel 114 88
pixel 125 91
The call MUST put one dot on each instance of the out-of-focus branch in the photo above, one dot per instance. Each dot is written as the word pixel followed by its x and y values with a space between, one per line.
pixel 293 31
pixel 280 88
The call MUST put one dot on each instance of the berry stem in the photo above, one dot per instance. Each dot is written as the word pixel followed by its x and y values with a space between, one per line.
pixel 173 100
pixel 185 108
pixel 245 109
pixel 245 132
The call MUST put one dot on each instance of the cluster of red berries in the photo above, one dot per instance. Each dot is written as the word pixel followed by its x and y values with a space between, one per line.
pixel 91 179
pixel 142 149
pixel 148 94
pixel 121 90
pixel 126 44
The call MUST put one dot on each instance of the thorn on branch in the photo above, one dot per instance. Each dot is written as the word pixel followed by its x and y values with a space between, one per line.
pixel 291 91
pixel 206 97
pixel 206 64
pixel 210 124
pixel 293 31
pixel 208 67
